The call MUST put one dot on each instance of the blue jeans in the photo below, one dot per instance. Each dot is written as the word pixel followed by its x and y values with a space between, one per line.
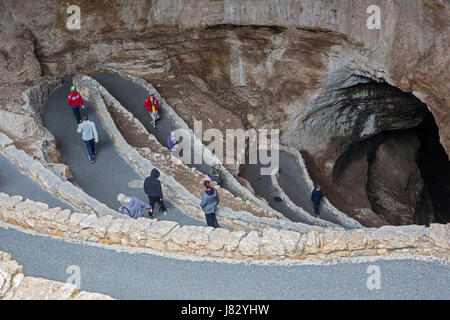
pixel 90 147
pixel 316 208
pixel 76 112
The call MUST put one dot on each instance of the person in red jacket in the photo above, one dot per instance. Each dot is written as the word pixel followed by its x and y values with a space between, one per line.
pixel 151 104
pixel 75 101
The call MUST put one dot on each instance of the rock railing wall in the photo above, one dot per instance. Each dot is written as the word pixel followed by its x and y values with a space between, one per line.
pixel 15 286
pixel 168 236
pixel 299 210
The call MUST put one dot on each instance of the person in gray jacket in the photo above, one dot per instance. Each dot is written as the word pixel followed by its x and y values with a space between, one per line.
pixel 210 200
pixel 132 206
pixel 89 136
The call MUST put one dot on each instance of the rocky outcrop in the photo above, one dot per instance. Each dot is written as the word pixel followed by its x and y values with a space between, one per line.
pixel 226 48
pixel 18 62
pixel 395 185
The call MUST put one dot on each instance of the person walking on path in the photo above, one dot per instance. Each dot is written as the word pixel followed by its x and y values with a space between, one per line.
pixel 172 141
pixel 75 101
pixel 216 174
pixel 132 206
pixel 89 136
pixel 316 196
pixel 210 200
pixel 151 104
pixel 152 187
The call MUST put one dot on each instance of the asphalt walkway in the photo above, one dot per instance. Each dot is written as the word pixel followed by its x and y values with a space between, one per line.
pixel 110 174
pixel 132 97
pixel 146 276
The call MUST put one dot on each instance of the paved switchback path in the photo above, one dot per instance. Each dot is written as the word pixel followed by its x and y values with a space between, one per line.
pixel 132 97
pixel 110 174
pixel 145 276
pixel 294 185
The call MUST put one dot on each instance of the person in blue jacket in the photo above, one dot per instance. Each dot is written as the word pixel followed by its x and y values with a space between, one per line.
pixel 316 196
pixel 210 200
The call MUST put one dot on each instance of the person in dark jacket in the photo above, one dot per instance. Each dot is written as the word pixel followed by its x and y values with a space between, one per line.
pixel 316 196
pixel 132 206
pixel 152 187
pixel 216 174
pixel 210 200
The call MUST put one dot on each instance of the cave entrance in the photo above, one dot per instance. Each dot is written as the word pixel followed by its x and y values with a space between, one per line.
pixel 399 174
pixel 435 170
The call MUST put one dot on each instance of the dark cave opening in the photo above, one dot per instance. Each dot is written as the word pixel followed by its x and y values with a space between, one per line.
pixel 435 169
pixel 398 175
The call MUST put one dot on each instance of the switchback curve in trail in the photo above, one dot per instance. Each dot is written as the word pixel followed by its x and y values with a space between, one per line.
pixel 159 277
pixel 132 96
pixel 15 183
pixel 110 174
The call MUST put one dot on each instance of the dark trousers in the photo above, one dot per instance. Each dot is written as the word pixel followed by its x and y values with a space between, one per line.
pixel 211 220
pixel 76 112
pixel 90 147
pixel 316 208
pixel 153 200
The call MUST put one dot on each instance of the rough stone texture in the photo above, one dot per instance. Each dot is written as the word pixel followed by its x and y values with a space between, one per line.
pixel 356 240
pixel 440 235
pixel 250 245
pixel 219 243
pixel 332 240
pixel 389 237
pixel 160 229
pixel 271 243
pixel 394 179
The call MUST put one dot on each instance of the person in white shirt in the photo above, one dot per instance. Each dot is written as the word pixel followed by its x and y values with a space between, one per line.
pixel 89 136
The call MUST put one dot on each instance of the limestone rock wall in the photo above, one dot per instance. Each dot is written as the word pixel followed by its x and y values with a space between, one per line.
pixel 246 52
pixel 168 236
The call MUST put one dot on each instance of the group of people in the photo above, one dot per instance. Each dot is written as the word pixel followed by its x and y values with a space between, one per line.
pixel 134 207
pixel 85 126
pixel 152 186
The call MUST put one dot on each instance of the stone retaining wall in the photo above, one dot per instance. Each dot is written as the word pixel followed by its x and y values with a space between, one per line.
pixel 340 216
pixel 93 92
pixel 299 210
pixel 329 243
pixel 15 286
pixel 52 183
pixel 207 155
